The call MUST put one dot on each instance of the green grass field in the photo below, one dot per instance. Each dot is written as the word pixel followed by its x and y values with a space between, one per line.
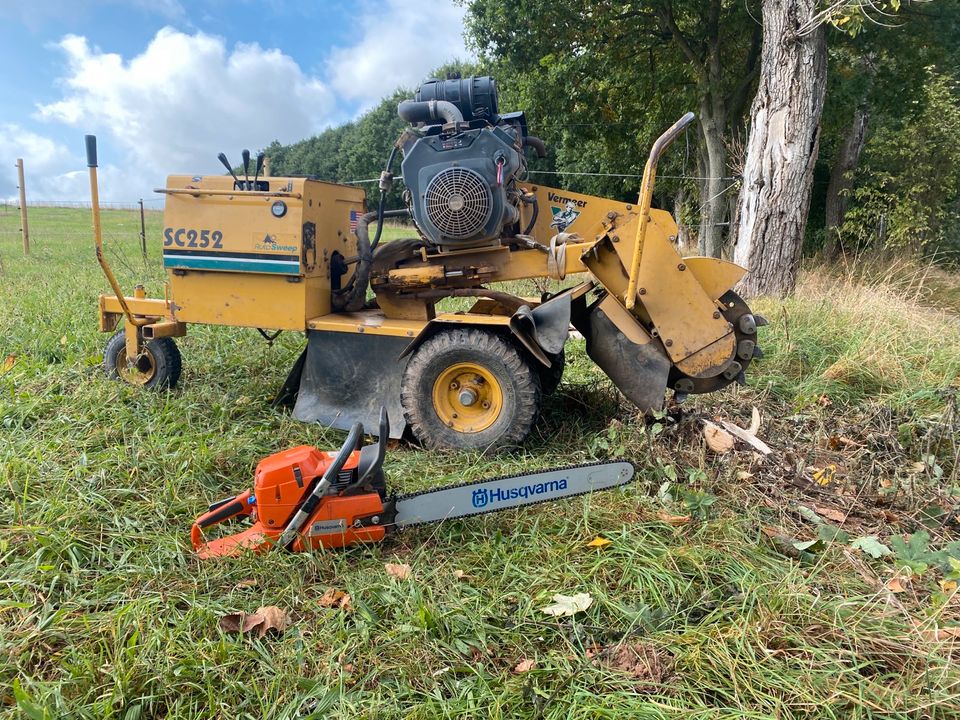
pixel 730 587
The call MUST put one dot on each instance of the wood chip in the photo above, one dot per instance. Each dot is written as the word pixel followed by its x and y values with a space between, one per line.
pixel 718 439
pixel 751 440
pixel 754 422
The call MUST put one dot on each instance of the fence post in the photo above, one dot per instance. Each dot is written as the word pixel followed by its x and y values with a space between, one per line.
pixel 143 234
pixel 24 230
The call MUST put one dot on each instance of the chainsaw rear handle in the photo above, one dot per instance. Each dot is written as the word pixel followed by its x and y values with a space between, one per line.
pixel 320 489
pixel 220 512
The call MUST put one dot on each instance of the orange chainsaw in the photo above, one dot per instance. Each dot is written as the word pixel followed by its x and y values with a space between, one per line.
pixel 304 498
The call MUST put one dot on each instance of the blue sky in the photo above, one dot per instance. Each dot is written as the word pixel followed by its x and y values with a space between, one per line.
pixel 167 84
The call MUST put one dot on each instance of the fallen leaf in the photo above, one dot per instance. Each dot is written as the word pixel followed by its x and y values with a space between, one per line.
pixel 461 575
pixel 63 340
pixel 948 586
pixel 744 475
pixel 871 546
pixel 824 401
pixel 525 666
pixel 807 545
pixel 942 634
pixel 754 422
pixel 599 542
pixel 347 668
pixel 838 516
pixel 824 476
pixel 9 362
pixel 718 439
pixel 675 520
pixel 567 605
pixel 261 622
pixel 334 598
pixel 895 586
pixel 400 571
pixel 890 517
pixel 248 583
pixel 916 468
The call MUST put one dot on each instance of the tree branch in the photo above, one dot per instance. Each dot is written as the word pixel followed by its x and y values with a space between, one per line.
pixel 665 10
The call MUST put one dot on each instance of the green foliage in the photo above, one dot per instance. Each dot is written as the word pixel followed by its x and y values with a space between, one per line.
pixel 907 195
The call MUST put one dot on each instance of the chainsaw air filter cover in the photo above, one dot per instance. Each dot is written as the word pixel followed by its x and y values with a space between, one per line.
pixel 458 183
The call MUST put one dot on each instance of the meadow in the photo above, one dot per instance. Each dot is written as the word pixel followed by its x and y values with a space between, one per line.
pixel 819 581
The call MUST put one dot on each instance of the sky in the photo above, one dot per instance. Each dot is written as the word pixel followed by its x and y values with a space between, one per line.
pixel 167 84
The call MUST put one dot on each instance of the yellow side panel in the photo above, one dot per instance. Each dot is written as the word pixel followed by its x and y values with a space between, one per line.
pixel 565 211
pixel 245 300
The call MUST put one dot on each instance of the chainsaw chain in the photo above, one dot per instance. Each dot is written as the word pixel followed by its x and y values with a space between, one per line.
pixel 399 498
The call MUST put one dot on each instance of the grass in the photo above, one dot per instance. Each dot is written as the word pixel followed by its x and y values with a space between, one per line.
pixel 105 614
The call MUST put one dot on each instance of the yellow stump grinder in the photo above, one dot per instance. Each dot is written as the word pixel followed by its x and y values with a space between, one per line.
pixel 295 253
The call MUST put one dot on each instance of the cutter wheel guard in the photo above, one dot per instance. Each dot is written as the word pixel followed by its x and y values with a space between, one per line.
pixel 303 499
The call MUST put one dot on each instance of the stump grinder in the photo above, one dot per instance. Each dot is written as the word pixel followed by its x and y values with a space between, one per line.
pixel 296 253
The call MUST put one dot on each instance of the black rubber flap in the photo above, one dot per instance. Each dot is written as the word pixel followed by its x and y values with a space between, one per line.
pixel 348 377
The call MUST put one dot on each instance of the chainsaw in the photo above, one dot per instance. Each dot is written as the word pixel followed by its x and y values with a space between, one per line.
pixel 304 498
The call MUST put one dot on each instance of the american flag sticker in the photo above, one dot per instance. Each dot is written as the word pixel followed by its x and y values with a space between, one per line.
pixel 354 217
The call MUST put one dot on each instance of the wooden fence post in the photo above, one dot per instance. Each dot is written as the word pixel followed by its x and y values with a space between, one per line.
pixel 24 230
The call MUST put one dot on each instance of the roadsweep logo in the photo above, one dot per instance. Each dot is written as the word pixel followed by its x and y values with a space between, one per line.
pixel 487 496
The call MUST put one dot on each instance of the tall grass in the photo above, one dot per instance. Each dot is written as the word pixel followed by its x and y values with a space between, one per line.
pixel 104 613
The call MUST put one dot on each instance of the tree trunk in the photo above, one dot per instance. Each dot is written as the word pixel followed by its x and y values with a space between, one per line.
pixel 782 149
pixel 840 181
pixel 713 206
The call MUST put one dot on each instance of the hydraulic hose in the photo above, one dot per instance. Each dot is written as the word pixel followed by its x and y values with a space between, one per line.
pixel 536 214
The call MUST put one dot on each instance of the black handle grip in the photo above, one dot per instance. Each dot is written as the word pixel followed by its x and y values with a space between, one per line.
pixel 91 141
pixel 246 159
pixel 223 512
pixel 260 157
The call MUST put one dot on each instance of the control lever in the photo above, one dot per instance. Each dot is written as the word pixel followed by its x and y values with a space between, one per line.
pixel 226 163
pixel 260 157
pixel 246 165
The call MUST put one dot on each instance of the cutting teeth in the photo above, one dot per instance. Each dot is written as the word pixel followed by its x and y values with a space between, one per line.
pixel 760 320
pixel 757 352
pixel 741 378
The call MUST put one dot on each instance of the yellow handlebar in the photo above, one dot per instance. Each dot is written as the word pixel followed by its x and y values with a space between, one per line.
pixel 646 198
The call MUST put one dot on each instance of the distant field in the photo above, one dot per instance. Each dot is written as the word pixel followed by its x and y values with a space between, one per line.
pixel 733 585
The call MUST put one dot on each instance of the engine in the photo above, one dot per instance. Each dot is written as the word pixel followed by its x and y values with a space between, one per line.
pixel 461 161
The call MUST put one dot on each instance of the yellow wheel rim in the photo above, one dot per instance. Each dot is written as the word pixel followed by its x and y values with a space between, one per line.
pixel 467 398
pixel 140 372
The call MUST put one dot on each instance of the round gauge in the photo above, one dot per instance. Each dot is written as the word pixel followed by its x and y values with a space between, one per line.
pixel 279 209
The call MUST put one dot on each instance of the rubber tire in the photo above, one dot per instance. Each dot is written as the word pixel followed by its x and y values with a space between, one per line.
pixel 550 377
pixel 519 383
pixel 166 358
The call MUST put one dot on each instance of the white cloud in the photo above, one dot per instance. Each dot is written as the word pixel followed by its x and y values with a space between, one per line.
pixel 44 160
pixel 399 44
pixel 186 97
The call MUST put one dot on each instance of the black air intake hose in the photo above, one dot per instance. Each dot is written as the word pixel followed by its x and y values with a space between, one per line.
pixel 429 111
pixel 537 144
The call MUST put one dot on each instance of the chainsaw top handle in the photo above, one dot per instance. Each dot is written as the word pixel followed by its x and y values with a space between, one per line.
pixel 320 489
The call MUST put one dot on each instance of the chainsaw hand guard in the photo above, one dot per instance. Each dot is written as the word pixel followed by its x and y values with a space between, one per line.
pixel 242 504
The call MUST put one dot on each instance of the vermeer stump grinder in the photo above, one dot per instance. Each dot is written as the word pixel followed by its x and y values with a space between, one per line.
pixel 303 499
pixel 295 253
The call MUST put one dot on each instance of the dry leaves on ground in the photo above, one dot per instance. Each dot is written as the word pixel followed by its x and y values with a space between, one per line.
pixel 675 520
pixel 259 623
pixel 334 598
pixel 400 571
pixel 642 661
pixel 567 605
pixel 525 666
pixel 838 516
pixel 599 542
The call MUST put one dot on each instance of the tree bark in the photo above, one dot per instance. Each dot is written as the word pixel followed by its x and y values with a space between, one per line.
pixel 782 149
pixel 840 181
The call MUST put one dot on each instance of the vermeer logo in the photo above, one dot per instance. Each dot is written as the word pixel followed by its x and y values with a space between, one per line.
pixel 563 217
pixel 487 496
